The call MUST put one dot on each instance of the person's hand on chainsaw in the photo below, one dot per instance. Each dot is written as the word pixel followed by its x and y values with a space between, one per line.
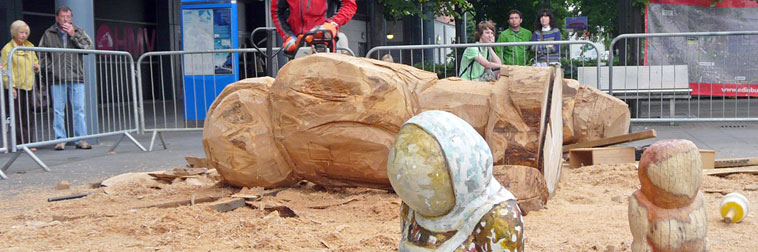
pixel 290 45
pixel 328 25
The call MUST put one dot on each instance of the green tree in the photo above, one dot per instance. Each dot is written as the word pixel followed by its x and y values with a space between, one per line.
pixel 396 9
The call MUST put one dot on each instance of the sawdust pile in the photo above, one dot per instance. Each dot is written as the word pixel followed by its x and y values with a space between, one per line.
pixel 588 213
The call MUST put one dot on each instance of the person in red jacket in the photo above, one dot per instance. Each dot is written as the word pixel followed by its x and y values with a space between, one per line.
pixel 295 17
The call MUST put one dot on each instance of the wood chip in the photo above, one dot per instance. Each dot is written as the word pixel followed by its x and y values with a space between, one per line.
pixel 197 162
pixel 722 192
pixel 228 205
pixel 63 185
pixel 324 206
pixel 184 202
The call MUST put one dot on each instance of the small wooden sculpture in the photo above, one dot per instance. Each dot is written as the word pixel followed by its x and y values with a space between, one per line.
pixel 667 213
pixel 442 170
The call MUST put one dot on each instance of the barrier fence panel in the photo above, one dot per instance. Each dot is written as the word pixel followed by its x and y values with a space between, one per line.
pixel 176 88
pixel 71 95
pixel 690 76
pixel 4 137
pixel 444 59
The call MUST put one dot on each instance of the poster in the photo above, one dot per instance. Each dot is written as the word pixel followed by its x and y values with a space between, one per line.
pixel 207 29
pixel 197 36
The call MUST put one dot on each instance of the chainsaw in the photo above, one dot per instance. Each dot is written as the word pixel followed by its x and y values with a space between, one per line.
pixel 319 40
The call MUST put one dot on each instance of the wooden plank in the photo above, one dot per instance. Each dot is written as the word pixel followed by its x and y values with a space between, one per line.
pixel 592 156
pixel 708 157
pixel 552 156
pixel 729 171
pixel 735 162
pixel 228 205
pixel 636 136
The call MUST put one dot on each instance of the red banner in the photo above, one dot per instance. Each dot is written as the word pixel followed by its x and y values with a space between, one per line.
pixel 707 3
pixel 724 89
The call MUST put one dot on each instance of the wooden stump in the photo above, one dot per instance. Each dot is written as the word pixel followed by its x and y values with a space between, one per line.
pixel 526 183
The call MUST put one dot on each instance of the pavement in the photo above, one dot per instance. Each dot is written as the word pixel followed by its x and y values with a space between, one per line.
pixel 83 167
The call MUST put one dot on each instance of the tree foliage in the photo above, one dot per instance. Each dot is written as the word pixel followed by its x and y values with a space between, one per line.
pixel 396 9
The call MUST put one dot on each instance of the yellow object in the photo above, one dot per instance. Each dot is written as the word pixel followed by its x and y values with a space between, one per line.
pixel 23 62
pixel 734 207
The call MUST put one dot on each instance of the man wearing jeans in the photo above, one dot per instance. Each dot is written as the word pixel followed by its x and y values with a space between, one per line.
pixel 66 71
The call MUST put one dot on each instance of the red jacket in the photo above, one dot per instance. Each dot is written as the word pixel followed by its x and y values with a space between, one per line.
pixel 295 17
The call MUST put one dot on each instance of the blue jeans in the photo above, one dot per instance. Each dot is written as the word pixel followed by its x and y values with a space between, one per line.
pixel 75 93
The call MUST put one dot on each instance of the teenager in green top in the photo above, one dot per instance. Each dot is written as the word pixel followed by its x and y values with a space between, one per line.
pixel 476 59
pixel 514 55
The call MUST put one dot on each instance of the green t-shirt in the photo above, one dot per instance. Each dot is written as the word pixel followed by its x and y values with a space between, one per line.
pixel 514 55
pixel 475 70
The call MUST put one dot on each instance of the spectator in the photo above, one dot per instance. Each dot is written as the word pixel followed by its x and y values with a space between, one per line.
pixel 481 63
pixel 23 66
pixel 294 19
pixel 66 72
pixel 514 55
pixel 546 30
pixel 387 57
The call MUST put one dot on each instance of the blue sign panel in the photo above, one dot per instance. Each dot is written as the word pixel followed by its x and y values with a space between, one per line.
pixel 207 27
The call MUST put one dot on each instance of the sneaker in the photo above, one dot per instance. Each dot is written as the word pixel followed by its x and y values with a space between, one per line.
pixel 60 146
pixel 83 145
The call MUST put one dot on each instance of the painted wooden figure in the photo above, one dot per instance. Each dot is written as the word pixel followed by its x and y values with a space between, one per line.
pixel 442 169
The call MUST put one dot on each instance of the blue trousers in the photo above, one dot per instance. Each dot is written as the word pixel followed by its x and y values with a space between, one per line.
pixel 75 94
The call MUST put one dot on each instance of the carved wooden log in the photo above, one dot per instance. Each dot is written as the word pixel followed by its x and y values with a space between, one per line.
pixel 514 127
pixel 598 115
pixel 238 140
pixel 469 100
pixel 570 87
pixel 667 213
pixel 335 116
pixel 333 119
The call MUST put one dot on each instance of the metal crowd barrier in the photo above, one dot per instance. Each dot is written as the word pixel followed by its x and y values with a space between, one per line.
pixel 691 72
pixel 444 58
pixel 108 92
pixel 176 88
pixel 4 127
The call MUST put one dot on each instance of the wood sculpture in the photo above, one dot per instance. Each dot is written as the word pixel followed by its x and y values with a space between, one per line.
pixel 331 119
pixel 442 170
pixel 667 212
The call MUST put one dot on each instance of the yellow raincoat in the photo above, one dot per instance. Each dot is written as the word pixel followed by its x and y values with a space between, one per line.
pixel 23 72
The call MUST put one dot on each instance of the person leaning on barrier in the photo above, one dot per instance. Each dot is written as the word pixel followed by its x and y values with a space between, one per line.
pixel 514 55
pixel 546 30
pixel 66 72
pixel 481 63
pixel 23 66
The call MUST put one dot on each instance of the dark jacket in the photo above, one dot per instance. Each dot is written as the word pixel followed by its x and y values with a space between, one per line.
pixel 295 17
pixel 63 67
